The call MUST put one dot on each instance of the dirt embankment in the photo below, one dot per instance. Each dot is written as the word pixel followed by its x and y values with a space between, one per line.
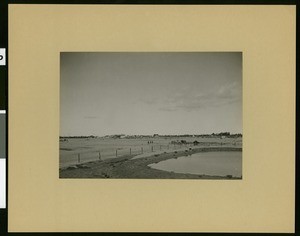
pixel 127 168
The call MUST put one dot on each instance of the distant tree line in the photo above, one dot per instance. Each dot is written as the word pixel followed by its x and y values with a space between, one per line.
pixel 224 134
pixel 221 134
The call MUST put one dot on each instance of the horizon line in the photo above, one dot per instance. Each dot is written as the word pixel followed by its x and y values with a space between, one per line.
pixel 155 134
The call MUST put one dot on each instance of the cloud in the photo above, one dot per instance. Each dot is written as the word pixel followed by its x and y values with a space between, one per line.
pixel 91 117
pixel 168 109
pixel 149 101
pixel 229 91
pixel 190 100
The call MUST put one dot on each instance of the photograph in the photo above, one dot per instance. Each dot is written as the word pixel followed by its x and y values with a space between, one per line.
pixel 151 115
pixel 149 118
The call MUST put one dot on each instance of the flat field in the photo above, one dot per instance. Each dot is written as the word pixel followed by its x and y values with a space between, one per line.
pixel 72 150
pixel 79 155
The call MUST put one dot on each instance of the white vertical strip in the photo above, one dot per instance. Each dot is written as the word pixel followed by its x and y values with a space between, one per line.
pixel 2 183
pixel 2 57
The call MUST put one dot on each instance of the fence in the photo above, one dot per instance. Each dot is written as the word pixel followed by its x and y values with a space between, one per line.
pixel 74 158
pixel 87 156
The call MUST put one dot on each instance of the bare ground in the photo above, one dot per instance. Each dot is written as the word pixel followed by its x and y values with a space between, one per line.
pixel 127 168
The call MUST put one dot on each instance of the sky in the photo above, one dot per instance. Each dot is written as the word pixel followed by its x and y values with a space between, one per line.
pixel 105 93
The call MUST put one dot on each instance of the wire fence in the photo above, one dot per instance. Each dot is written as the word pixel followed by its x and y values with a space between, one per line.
pixel 108 153
pixel 73 158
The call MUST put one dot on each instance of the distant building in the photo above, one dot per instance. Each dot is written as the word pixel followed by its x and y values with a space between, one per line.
pixel 195 143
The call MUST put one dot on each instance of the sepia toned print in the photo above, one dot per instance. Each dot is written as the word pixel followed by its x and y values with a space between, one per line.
pixel 151 115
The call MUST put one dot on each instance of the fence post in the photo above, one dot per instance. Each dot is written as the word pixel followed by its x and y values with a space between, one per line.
pixel 152 148
pixel 116 152
pixel 130 151
pixel 99 155
pixel 78 157
pixel 142 150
